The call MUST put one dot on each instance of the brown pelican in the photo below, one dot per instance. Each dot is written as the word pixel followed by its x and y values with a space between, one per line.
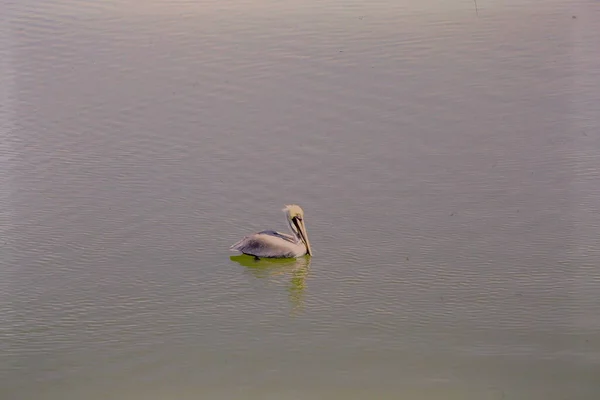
pixel 272 244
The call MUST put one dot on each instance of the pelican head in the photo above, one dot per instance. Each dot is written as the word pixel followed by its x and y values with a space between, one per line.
pixel 295 217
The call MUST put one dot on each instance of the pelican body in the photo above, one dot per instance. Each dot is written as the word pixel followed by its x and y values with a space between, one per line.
pixel 272 244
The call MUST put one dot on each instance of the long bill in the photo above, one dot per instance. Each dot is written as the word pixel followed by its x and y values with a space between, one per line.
pixel 303 235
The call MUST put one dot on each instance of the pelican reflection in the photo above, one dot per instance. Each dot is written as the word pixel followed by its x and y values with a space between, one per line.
pixel 276 269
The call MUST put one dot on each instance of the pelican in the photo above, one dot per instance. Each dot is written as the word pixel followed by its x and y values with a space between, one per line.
pixel 272 244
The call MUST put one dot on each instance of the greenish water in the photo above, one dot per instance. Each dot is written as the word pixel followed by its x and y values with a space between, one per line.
pixel 446 162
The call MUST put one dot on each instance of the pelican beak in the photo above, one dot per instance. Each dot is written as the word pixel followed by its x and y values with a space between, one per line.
pixel 302 229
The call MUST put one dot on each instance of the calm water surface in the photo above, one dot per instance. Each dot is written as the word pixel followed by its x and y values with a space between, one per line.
pixel 447 161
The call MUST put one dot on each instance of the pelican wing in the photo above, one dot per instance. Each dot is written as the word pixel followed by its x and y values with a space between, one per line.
pixel 267 244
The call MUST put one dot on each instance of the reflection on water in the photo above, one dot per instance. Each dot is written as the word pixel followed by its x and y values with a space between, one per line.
pixel 294 271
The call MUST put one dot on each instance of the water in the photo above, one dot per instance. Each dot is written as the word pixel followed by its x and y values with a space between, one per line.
pixel 447 162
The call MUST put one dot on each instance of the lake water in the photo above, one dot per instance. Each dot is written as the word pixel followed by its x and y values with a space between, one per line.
pixel 447 160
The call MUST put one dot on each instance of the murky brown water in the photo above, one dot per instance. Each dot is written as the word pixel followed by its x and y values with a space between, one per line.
pixel 447 163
